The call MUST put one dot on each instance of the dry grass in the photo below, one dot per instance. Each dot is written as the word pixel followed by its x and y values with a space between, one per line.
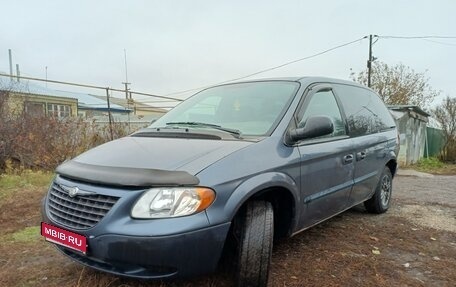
pixel 335 253
pixel 435 166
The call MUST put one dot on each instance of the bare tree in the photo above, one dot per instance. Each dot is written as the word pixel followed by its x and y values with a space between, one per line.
pixel 445 113
pixel 399 84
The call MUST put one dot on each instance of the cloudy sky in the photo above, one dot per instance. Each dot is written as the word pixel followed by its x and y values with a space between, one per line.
pixel 178 45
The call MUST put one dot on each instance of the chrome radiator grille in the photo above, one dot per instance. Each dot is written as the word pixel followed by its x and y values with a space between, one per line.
pixel 81 211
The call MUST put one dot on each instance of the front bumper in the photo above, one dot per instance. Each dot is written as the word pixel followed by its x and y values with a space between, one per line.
pixel 181 255
pixel 149 249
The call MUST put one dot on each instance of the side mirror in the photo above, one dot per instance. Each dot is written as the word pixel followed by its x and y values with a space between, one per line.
pixel 315 126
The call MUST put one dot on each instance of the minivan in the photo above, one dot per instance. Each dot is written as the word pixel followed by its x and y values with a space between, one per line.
pixel 241 163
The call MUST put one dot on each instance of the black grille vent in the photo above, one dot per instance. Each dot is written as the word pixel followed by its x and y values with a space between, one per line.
pixel 81 211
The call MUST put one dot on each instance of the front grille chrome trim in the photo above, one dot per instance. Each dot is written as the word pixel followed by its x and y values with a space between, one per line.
pixel 78 212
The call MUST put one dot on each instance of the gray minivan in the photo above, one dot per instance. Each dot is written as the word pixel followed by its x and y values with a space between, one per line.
pixel 237 164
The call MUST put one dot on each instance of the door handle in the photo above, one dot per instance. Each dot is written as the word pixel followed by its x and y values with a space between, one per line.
pixel 360 155
pixel 348 158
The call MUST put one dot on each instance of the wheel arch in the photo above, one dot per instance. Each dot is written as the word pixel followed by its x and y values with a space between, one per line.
pixel 392 165
pixel 277 188
pixel 284 208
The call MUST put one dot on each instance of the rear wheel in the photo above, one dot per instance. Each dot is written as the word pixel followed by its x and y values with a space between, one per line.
pixel 256 232
pixel 380 202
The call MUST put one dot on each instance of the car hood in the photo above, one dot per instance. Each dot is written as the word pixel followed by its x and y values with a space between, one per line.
pixel 138 154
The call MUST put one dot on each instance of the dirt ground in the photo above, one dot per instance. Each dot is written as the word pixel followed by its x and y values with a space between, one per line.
pixel 413 244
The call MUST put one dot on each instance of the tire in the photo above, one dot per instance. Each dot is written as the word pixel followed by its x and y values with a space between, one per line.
pixel 256 233
pixel 380 201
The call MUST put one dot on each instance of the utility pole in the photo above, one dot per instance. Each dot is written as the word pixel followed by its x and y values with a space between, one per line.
pixel 126 83
pixel 10 63
pixel 126 89
pixel 109 114
pixel 370 60
pixel 129 100
pixel 18 73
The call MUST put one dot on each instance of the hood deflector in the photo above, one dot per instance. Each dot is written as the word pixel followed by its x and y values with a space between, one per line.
pixel 124 176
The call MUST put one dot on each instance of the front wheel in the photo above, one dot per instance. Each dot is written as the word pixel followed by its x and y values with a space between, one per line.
pixel 380 201
pixel 256 231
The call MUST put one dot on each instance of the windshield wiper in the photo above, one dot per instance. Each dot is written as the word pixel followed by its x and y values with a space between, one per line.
pixel 234 132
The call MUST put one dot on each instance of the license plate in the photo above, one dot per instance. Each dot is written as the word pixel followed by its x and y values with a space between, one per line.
pixel 64 237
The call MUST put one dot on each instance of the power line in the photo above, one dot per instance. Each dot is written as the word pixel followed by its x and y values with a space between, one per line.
pixel 272 68
pixel 438 42
pixel 91 86
pixel 418 37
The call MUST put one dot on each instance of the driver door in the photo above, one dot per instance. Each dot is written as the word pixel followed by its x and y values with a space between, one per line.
pixel 327 162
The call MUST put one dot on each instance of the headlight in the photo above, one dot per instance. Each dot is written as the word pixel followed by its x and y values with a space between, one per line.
pixel 172 202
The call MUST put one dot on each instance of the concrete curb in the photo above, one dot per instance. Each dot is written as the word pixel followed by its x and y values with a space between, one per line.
pixel 411 172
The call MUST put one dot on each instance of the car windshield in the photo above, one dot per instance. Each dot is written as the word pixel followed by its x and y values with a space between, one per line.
pixel 252 109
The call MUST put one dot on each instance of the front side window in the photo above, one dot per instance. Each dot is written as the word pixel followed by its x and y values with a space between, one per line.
pixel 253 108
pixel 323 103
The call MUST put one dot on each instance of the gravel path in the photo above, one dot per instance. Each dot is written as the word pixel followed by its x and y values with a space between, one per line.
pixel 438 189
pixel 429 201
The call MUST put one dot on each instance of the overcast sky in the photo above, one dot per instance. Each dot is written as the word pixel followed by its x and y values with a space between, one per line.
pixel 178 45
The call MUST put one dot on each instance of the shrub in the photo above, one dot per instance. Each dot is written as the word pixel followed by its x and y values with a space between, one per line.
pixel 445 113
pixel 31 142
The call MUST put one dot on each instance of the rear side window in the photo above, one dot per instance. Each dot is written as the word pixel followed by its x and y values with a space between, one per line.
pixel 365 111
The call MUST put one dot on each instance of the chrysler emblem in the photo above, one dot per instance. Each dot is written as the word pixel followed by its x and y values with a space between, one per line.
pixel 74 191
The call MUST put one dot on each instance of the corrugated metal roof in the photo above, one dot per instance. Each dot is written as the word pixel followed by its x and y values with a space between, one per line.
pixel 408 107
pixel 137 105
pixel 85 101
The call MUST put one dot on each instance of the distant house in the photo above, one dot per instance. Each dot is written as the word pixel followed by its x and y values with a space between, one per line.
pixel 411 122
pixel 31 99
pixel 38 100
pixel 91 105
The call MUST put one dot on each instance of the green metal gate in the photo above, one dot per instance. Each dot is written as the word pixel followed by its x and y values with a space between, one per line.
pixel 434 142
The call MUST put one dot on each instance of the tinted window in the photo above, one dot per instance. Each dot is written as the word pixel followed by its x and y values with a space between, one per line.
pixel 365 111
pixel 323 103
